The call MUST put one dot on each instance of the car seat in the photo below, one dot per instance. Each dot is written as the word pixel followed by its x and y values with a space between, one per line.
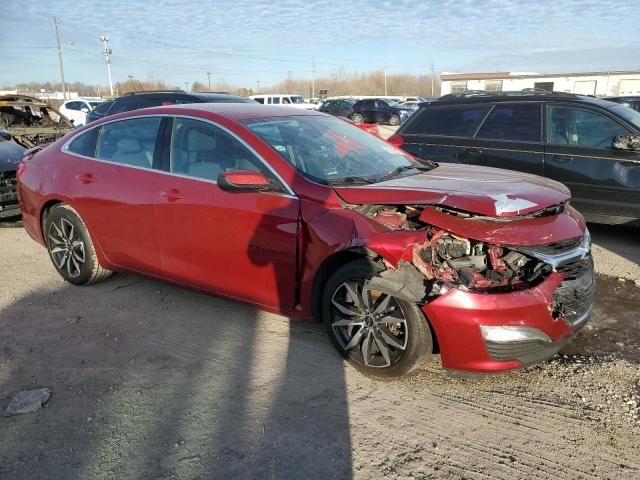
pixel 130 152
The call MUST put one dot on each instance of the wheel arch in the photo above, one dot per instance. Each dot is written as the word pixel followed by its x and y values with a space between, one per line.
pixel 326 269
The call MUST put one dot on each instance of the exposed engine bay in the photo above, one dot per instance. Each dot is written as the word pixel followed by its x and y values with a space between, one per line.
pixel 445 259
pixel 30 121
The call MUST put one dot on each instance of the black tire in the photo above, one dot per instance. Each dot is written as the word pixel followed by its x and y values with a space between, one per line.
pixel 70 247
pixel 414 334
pixel 394 120
pixel 357 118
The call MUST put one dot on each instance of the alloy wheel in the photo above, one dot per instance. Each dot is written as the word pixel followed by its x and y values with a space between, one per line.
pixel 368 324
pixel 66 247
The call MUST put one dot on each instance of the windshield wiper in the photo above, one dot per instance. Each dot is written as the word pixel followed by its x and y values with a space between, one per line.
pixel 400 169
pixel 349 181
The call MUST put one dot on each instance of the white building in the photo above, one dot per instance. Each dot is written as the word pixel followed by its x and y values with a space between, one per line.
pixel 588 83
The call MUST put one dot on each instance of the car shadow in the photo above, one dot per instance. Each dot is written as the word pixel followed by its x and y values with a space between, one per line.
pixel 618 239
pixel 155 381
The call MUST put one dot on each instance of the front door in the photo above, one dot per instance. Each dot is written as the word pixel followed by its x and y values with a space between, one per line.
pixel 604 183
pixel 242 245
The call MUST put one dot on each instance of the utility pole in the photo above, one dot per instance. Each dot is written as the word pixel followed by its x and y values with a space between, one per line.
pixel 258 82
pixel 209 78
pixel 130 77
pixel 385 81
pixel 106 51
pixel 432 77
pixel 313 78
pixel 186 86
pixel 64 85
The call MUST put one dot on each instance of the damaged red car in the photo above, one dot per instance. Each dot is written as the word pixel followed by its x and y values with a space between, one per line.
pixel 300 213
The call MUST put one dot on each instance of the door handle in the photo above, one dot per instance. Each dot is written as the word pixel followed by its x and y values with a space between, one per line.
pixel 473 151
pixel 173 194
pixel 561 158
pixel 85 178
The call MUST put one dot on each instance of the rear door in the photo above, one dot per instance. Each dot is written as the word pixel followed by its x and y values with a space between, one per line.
pixel 242 245
pixel 510 137
pixel 604 182
pixel 442 133
pixel 113 185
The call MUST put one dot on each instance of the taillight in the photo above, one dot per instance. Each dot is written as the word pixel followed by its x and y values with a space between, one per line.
pixel 21 168
pixel 396 140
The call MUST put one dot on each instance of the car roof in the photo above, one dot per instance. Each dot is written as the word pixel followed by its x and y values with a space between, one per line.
pixel 519 97
pixel 234 111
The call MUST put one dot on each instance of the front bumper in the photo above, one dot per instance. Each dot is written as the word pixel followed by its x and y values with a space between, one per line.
pixel 457 317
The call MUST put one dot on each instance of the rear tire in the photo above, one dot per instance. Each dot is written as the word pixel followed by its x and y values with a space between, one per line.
pixel 70 247
pixel 357 118
pixel 378 334
pixel 394 120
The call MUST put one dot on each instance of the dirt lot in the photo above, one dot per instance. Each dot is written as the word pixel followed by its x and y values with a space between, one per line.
pixel 154 381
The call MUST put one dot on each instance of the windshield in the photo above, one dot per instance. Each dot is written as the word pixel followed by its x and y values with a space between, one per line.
pixel 329 150
pixel 295 99
pixel 628 113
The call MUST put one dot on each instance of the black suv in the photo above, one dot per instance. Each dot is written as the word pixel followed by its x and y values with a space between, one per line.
pixel 591 145
pixel 134 100
pixel 376 110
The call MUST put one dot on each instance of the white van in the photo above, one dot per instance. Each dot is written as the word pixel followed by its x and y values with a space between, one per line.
pixel 288 100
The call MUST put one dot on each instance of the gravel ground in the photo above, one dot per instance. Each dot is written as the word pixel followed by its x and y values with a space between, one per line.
pixel 153 381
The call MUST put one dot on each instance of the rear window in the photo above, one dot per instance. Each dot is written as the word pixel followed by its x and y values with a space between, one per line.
pixel 457 121
pixel 513 122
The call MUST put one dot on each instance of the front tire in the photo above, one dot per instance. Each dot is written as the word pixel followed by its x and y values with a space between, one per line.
pixel 70 247
pixel 394 120
pixel 357 118
pixel 377 333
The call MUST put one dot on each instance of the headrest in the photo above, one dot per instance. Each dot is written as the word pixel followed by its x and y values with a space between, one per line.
pixel 200 142
pixel 128 145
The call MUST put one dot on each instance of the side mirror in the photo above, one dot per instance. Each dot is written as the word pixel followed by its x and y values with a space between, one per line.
pixel 84 110
pixel 6 135
pixel 626 142
pixel 240 181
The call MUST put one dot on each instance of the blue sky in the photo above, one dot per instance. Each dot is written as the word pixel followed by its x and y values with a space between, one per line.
pixel 243 41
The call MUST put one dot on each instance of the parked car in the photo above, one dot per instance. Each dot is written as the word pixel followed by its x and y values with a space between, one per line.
pixel 342 107
pixel 76 110
pixel 367 127
pixel 303 214
pixel 296 101
pixel 564 137
pixel 632 101
pixel 100 111
pixel 411 104
pixel 134 100
pixel 25 122
pixel 372 110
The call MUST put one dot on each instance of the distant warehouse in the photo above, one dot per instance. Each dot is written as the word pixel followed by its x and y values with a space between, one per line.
pixel 589 83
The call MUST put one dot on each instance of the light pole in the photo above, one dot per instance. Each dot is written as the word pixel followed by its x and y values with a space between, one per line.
pixel 209 79
pixel 62 83
pixel 107 58
pixel 258 82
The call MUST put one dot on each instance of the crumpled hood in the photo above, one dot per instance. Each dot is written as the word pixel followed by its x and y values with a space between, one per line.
pixel 492 192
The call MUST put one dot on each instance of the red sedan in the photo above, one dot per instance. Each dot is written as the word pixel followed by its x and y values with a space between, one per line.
pixel 301 213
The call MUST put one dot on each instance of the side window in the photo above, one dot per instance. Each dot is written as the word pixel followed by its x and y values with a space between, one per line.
pixel 85 143
pixel 513 122
pixel 581 127
pixel 286 100
pixel 276 100
pixel 381 104
pixel 126 105
pixel 74 106
pixel 259 100
pixel 202 150
pixel 129 142
pixel 459 121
